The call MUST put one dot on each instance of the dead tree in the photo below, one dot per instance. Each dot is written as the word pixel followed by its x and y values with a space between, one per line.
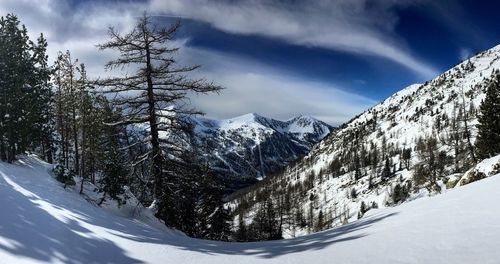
pixel 155 95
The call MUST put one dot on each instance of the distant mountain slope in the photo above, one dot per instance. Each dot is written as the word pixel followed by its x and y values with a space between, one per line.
pixel 255 146
pixel 41 222
pixel 417 142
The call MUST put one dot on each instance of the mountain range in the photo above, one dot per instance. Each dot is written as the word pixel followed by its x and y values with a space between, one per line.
pixel 416 143
pixel 253 146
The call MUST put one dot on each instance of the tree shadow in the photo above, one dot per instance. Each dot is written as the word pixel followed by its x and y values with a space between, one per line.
pixel 63 199
pixel 77 244
pixel 29 231
pixel 272 249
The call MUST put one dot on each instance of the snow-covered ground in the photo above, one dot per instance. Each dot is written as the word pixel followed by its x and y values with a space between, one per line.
pixel 413 114
pixel 41 222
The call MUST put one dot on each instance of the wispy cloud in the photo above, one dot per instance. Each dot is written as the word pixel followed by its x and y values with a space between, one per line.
pixel 255 87
pixel 251 86
pixel 356 26
pixel 465 53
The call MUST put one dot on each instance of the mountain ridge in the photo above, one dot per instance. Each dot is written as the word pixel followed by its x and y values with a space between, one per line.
pixel 252 145
pixel 363 162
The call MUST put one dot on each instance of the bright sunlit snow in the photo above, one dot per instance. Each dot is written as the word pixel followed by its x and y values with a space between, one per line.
pixel 43 223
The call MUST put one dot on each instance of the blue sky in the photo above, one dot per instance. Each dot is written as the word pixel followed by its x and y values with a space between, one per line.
pixel 438 42
pixel 330 59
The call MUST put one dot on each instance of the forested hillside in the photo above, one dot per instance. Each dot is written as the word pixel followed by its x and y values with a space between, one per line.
pixel 421 141
pixel 104 131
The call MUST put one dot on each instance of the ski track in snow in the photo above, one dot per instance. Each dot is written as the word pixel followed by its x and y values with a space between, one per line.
pixel 40 222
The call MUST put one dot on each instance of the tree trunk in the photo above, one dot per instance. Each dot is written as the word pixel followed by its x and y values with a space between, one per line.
pixel 155 143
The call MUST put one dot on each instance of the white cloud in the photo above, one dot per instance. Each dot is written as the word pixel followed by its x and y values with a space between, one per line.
pixel 254 87
pixel 76 29
pixel 357 26
pixel 251 87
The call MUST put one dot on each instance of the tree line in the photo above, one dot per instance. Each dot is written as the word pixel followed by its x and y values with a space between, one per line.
pixel 117 134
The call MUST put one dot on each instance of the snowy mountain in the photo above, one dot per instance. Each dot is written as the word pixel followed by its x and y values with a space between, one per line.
pixel 416 143
pixel 254 146
pixel 41 222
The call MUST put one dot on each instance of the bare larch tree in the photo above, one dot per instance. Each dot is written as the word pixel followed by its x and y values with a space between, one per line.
pixel 156 95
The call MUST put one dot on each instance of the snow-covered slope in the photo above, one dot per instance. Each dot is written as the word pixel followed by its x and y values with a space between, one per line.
pixel 40 222
pixel 254 146
pixel 361 164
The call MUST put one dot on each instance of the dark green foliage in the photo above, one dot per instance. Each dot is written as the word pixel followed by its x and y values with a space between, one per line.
pixel 192 201
pixel 265 225
pixel 421 175
pixel 488 138
pixel 219 227
pixel 354 193
pixel 386 172
pixel 25 92
pixel 362 209
pixel 241 233
pixel 112 161
pixel 399 194
pixel 406 157
pixel 114 175
pixel 432 162
pixel 320 223
pixel 214 218
pixel 64 175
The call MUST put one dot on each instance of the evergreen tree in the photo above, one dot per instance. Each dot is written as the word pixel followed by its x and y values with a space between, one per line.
pixel 406 157
pixel 320 224
pixel 24 90
pixel 386 172
pixel 488 138
pixel 265 225
pixel 42 107
pixel 67 105
pixel 219 227
pixel 241 233
pixel 114 171
pixel 214 218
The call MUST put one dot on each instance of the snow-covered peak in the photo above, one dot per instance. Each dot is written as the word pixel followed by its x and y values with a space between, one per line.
pixel 300 125
pixel 255 145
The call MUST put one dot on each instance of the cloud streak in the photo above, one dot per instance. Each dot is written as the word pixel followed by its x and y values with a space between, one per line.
pixel 251 86
pixel 356 26
pixel 255 87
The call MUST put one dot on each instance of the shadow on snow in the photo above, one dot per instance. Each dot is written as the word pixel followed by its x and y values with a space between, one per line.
pixel 30 230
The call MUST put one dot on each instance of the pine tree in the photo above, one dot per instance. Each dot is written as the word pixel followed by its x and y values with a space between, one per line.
pixel 265 225
pixel 43 121
pixel 25 90
pixel 219 227
pixel 241 232
pixel 214 218
pixel 112 161
pixel 406 157
pixel 488 138
pixel 386 172
pixel 321 222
